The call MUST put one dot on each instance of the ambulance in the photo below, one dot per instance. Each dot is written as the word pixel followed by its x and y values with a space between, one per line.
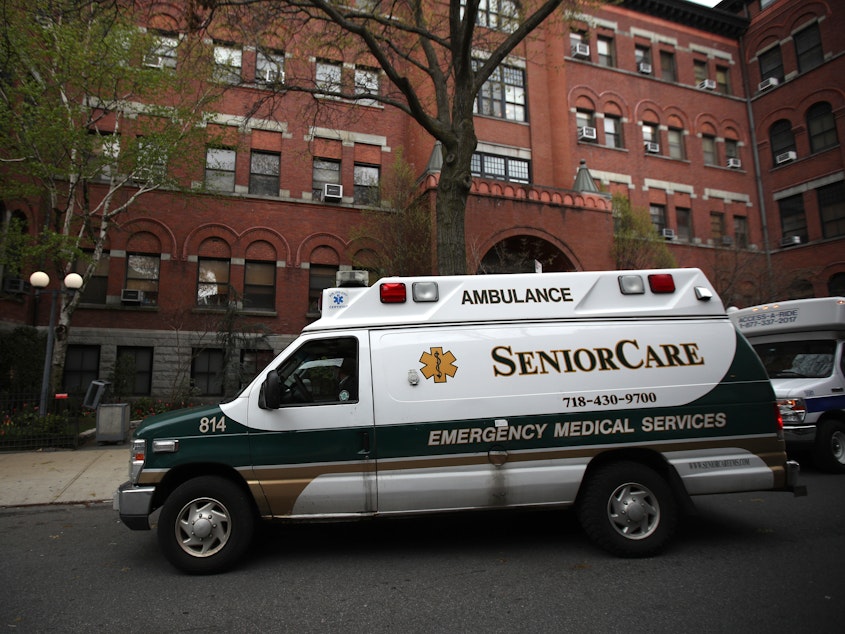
pixel 621 394
pixel 802 345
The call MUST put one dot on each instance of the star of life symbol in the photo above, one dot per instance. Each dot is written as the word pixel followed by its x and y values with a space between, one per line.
pixel 438 364
pixel 338 299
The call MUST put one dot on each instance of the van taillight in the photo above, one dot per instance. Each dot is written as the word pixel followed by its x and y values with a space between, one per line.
pixel 779 416
pixel 661 283
pixel 393 293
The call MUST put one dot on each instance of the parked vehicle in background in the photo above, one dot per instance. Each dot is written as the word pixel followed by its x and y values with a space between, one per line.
pixel 802 344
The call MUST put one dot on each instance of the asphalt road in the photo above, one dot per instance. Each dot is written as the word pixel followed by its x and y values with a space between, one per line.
pixel 757 562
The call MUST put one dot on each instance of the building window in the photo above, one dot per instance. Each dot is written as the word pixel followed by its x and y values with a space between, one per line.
pixel 328 77
pixel 605 50
pixel 501 15
pixel 579 45
pixel 771 64
pixel 142 273
pixel 792 219
pixel 808 48
pixel 163 51
pixel 832 209
pixel 366 83
pixel 683 231
pixel 708 147
pixel 821 126
pixel 105 155
pixel 676 144
pixel 269 68
pixel 613 132
pixel 260 285
pixel 741 231
pixel 227 63
pixel 207 371
pixel 82 365
pixel 324 172
pixel 264 168
pixel 642 58
pixel 213 282
pixel 366 180
pixel 96 288
pixel 320 277
pixel 651 135
pixel 139 361
pixel 731 148
pixel 700 71
pixel 781 138
pixel 252 362
pixel 668 72
pixel 717 226
pixel 220 169
pixel 503 94
pixel 585 119
pixel 723 80
pixel 658 217
pixel 504 168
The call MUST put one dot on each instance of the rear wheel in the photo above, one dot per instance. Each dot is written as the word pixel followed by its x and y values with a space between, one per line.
pixel 829 452
pixel 206 525
pixel 627 509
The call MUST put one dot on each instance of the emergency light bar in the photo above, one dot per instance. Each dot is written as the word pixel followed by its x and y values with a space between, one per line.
pixel 658 283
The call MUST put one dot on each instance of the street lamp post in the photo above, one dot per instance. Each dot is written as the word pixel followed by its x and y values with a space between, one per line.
pixel 40 280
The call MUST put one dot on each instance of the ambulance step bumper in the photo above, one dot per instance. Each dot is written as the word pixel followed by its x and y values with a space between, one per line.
pixel 792 471
pixel 133 504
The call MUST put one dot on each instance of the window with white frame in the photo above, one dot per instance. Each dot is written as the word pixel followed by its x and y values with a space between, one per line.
pixel 324 172
pixel 501 15
pixel 227 63
pixel 142 274
pixel 606 51
pixel 505 168
pixel 708 148
pixel 503 94
pixel 328 77
pixel 212 282
pixel 163 51
pixel 366 83
pixel 264 173
pixel 676 144
pixel 269 67
pixel 220 169
pixel 613 132
pixel 658 216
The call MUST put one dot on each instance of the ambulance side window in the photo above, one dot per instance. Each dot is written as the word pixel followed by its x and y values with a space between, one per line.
pixel 320 372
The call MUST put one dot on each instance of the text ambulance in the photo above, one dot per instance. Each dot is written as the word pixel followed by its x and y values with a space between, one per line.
pixel 802 345
pixel 621 393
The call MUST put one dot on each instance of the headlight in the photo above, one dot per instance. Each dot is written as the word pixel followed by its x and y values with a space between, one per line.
pixel 138 454
pixel 793 410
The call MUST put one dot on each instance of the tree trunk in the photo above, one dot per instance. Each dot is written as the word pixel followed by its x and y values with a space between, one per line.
pixel 452 193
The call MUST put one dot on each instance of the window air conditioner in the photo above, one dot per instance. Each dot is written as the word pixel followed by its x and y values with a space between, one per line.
pixel 652 148
pixel 586 133
pixel 790 241
pixel 669 234
pixel 131 296
pixel 707 84
pixel 644 68
pixel 581 50
pixel 15 285
pixel 734 163
pixel 332 192
pixel 767 83
pixel 786 157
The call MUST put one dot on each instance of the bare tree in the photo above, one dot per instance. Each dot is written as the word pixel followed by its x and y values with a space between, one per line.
pixel 636 243
pixel 436 57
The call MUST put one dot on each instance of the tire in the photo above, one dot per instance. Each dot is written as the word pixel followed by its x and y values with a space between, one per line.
pixel 627 509
pixel 829 450
pixel 206 525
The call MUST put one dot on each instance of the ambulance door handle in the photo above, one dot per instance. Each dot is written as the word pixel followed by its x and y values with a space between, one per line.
pixel 365 443
pixel 837 389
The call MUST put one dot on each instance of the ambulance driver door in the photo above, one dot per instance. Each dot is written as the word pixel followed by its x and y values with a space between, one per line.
pixel 311 431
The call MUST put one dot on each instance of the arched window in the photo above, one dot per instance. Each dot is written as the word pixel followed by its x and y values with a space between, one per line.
pixel 821 126
pixel 781 138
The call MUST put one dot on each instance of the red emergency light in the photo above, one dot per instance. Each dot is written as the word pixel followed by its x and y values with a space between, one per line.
pixel 393 293
pixel 661 283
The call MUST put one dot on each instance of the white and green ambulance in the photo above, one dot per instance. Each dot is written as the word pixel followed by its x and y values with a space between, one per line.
pixel 620 393
pixel 802 345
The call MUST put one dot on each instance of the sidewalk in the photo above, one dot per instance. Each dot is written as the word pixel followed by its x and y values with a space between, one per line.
pixel 63 476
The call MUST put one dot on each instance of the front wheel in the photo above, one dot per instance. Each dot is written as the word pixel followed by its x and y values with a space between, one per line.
pixel 206 525
pixel 829 452
pixel 627 509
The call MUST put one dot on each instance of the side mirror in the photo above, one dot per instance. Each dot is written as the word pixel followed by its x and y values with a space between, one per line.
pixel 271 392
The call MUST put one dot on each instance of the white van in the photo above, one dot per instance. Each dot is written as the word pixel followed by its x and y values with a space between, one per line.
pixel 621 393
pixel 802 345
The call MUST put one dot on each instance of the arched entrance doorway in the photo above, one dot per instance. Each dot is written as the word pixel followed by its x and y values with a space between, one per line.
pixel 518 254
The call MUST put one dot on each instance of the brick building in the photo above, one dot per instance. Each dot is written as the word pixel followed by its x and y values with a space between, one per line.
pixel 684 109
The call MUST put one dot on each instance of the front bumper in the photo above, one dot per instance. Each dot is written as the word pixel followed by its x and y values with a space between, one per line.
pixel 799 436
pixel 134 505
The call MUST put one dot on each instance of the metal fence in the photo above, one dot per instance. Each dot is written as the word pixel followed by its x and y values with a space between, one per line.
pixel 24 427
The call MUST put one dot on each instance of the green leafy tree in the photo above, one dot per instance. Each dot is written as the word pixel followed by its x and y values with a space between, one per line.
pixel 636 243
pixel 435 56
pixel 88 126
